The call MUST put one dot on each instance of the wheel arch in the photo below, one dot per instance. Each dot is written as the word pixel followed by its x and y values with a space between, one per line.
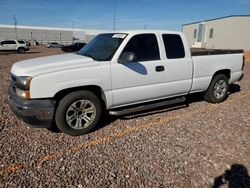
pixel 226 72
pixel 95 89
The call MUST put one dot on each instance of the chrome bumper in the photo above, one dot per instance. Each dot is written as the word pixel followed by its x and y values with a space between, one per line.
pixel 38 113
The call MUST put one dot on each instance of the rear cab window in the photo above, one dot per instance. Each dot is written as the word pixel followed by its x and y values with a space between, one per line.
pixel 173 46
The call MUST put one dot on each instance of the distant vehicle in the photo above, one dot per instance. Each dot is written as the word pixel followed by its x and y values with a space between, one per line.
pixel 73 47
pixel 14 45
pixel 54 45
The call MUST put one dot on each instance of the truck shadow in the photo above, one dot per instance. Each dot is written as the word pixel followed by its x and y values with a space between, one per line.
pixel 234 88
pixel 237 176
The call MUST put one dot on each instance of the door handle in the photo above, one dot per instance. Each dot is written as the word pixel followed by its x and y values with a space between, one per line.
pixel 159 68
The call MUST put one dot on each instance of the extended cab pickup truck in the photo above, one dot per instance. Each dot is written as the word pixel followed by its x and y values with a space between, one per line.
pixel 118 72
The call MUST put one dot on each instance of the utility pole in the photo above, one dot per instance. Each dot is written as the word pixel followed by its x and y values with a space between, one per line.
pixel 72 30
pixel 60 38
pixel 114 14
pixel 15 24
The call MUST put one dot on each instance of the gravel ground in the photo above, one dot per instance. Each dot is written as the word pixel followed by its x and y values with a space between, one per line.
pixel 196 146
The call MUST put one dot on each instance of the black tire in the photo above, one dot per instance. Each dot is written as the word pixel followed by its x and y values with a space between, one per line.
pixel 21 50
pixel 72 113
pixel 218 89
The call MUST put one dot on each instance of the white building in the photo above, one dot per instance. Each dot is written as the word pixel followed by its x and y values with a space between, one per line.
pixel 231 32
pixel 46 34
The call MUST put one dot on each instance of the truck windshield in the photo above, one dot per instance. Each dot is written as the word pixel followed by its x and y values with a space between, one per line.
pixel 103 46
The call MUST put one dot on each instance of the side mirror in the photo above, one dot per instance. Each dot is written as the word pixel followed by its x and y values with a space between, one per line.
pixel 127 57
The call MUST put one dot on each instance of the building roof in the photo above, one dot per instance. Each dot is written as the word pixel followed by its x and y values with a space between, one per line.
pixel 48 28
pixel 216 19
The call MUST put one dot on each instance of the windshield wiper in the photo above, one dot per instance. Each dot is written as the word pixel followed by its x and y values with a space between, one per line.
pixel 87 55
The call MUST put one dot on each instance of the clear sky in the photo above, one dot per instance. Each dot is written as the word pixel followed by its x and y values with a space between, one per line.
pixel 130 14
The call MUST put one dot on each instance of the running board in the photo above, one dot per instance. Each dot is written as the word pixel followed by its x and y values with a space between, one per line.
pixel 125 111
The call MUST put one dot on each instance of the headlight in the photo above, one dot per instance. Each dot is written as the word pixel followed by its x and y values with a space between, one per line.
pixel 23 82
pixel 22 93
pixel 23 86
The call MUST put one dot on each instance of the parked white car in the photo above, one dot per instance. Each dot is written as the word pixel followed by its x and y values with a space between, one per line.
pixel 117 72
pixel 54 45
pixel 13 45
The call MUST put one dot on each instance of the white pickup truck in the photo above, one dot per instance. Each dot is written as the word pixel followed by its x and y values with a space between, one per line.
pixel 119 72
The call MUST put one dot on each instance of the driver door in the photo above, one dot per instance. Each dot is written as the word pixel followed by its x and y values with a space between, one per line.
pixel 143 79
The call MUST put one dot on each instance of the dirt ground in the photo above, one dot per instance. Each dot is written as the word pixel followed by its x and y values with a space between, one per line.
pixel 247 55
pixel 202 145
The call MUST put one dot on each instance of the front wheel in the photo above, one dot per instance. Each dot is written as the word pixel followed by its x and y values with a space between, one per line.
pixel 218 90
pixel 78 113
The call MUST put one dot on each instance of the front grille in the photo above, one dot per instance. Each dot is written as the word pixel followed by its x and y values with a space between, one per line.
pixel 13 78
pixel 13 82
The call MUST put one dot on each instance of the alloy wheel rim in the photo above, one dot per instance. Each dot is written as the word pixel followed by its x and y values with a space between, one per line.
pixel 220 89
pixel 80 114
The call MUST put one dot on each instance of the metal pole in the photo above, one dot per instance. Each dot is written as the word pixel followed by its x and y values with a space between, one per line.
pixel 114 13
pixel 72 31
pixel 15 25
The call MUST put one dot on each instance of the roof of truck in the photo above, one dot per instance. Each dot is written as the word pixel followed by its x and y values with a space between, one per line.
pixel 143 31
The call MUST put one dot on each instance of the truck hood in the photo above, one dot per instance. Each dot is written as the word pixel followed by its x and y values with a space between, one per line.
pixel 43 65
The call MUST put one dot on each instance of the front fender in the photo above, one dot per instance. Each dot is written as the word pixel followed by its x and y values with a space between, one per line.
pixel 47 85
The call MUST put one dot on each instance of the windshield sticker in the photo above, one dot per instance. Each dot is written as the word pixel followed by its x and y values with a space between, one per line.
pixel 119 35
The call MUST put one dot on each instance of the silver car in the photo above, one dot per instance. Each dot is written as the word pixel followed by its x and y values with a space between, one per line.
pixel 54 45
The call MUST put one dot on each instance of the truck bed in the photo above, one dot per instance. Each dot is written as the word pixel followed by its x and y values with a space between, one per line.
pixel 202 51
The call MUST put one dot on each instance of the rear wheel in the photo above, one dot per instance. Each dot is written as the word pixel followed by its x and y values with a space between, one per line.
pixel 78 113
pixel 21 50
pixel 218 89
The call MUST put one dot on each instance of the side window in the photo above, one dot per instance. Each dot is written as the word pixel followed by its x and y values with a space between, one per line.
pixel 211 33
pixel 173 46
pixel 4 42
pixel 9 42
pixel 21 42
pixel 145 46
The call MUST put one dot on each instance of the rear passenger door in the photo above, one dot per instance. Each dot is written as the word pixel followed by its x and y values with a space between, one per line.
pixel 179 66
pixel 143 80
